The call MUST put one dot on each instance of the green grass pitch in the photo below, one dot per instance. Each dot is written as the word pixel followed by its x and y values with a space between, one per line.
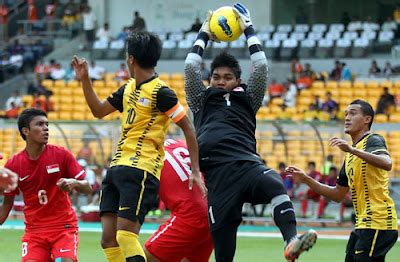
pixel 248 249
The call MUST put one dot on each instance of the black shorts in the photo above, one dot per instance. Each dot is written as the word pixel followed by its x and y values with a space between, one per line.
pixel 129 192
pixel 232 184
pixel 370 245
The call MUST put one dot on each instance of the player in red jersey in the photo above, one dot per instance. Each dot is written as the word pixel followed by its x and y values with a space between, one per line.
pixel 47 173
pixel 186 233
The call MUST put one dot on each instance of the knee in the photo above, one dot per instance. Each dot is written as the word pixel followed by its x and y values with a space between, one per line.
pixel 107 242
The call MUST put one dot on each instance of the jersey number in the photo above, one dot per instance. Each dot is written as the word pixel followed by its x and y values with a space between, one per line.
pixel 227 96
pixel 42 195
pixel 24 248
pixel 180 155
pixel 131 116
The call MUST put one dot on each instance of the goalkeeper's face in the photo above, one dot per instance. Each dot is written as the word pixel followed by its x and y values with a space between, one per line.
pixel 224 77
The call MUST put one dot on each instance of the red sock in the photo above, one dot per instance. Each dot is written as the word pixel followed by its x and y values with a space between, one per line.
pixel 304 204
pixel 342 208
pixel 321 207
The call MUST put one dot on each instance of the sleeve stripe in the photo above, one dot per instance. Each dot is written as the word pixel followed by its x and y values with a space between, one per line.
pixel 79 174
pixel 176 112
pixel 200 42
pixel 253 40
pixel 179 117
pixel 380 150
pixel 255 49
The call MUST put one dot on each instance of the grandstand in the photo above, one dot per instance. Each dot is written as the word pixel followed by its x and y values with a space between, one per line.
pixel 293 135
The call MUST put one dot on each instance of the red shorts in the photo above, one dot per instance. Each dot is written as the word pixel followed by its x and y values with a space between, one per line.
pixel 49 245
pixel 175 240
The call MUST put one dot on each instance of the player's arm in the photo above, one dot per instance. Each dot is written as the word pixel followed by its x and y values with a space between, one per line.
pixel 336 193
pixel 257 83
pixel 8 180
pixel 375 154
pixel 69 184
pixel 194 86
pixel 8 202
pixel 168 103
pixel 98 108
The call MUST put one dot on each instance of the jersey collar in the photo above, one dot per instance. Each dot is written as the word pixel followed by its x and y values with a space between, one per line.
pixel 138 86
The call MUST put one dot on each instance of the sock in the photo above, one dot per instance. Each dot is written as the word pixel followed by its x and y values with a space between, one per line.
pixel 304 204
pixel 342 208
pixel 284 217
pixel 130 246
pixel 114 254
pixel 321 207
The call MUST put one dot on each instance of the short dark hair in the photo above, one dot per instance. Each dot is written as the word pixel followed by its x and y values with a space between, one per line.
pixel 311 163
pixel 281 165
pixel 145 47
pixel 228 60
pixel 366 108
pixel 26 117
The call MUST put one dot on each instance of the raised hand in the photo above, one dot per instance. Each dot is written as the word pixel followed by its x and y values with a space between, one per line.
pixel 244 15
pixel 297 173
pixel 206 27
pixel 8 180
pixel 341 144
pixel 66 184
pixel 81 67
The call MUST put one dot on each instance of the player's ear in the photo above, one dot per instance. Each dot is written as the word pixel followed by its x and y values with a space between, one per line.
pixel 25 131
pixel 368 119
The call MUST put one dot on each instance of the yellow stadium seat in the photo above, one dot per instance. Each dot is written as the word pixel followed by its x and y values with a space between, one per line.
pixel 64 115
pixel 306 101
pixel 374 92
pixel 177 76
pixel 47 83
pixel 98 83
pixel 66 100
pixel 372 84
pixel 345 84
pixel 395 118
pixel 60 83
pixel 331 84
pixel 318 85
pixel 113 85
pixel 346 92
pixel 65 91
pixel 306 93
pixel 52 115
pixel 78 116
pixel 164 76
pixel 387 83
pixel 397 84
pixel 380 118
pixel 73 84
pixel 77 92
pixel 358 85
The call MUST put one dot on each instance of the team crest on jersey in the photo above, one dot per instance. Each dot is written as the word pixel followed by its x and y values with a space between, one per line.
pixel 144 101
pixel 238 89
pixel 53 168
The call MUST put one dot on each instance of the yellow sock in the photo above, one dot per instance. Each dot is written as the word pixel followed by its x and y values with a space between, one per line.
pixel 114 254
pixel 129 244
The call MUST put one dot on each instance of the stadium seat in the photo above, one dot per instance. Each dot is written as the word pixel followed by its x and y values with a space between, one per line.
pixel 267 28
pixel 217 48
pixel 372 85
pixel 380 118
pixel 301 28
pixel 284 28
pixel 169 47
pixel 307 48
pixel 315 36
pixel 369 35
pixel 238 48
pixel 272 47
pixel 358 85
pixel 176 36
pixel 331 84
pixel 262 36
pixel 116 50
pixel 183 49
pixel 342 48
pixel 297 36
pixel 336 28
pixel 191 36
pixel 332 35
pixel 350 35
pixel 320 28
pixel 360 47
pixel 288 48
pixel 387 83
pixel 324 48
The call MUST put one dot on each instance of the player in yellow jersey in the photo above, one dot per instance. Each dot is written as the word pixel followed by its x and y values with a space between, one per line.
pixel 131 185
pixel 365 172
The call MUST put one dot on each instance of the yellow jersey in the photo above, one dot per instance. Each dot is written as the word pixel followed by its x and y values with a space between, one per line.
pixel 369 187
pixel 146 112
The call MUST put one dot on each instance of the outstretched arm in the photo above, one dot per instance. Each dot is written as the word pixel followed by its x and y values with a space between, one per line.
pixel 257 83
pixel 194 86
pixel 5 209
pixel 69 184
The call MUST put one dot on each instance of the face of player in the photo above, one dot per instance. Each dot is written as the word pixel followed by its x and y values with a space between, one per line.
pixel 38 131
pixel 355 121
pixel 223 77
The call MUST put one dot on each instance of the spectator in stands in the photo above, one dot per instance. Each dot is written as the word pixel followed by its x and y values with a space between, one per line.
pixel 290 94
pixel 327 165
pixel 275 89
pixel 69 14
pixel 330 180
pixel 396 16
pixel 90 177
pixel 308 71
pixel 3 21
pixel 330 106
pixel 86 152
pixel 296 67
pixel 32 13
pixel 336 72
pixel 41 70
pixel 96 72
pixel 104 34
pixel 345 73
pixel 387 70
pixel 389 25
pixel 310 194
pixel 123 34
pixel 122 73
pixel 317 103
pixel 287 180
pixel 369 25
pixel 57 73
pixel 385 103
pixel 69 73
pixel 16 62
pixel 38 102
pixel 13 111
pixel 50 10
pixel 374 70
pixel 205 73
pixel 355 24
pixel 195 26
pixel 345 20
pixel 15 99
pixel 139 24
pixel 89 25
pixel 301 15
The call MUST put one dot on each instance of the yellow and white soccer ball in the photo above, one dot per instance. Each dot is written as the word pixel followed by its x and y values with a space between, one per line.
pixel 225 24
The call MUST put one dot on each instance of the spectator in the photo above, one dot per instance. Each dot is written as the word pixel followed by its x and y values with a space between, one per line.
pixel 355 24
pixel 13 111
pixel 295 68
pixel 123 34
pixel 330 106
pixel 336 72
pixel 3 22
pixel 89 25
pixel 327 165
pixel 42 103
pixel 310 194
pixel 374 70
pixel 69 14
pixel 369 25
pixel 104 34
pixel 287 180
pixel 345 20
pixel 387 70
pixel 301 15
pixel 57 73
pixel 122 73
pixel 385 103
pixel 330 180
pixel 389 25
pixel 205 73
pixel 275 89
pixel 96 72
pixel 16 62
pixel 91 178
pixel 195 26
pixel 345 72
pixel 139 24
pixel 41 70
pixel 317 104
pixel 85 152
pixel 290 94
pixel 308 71
pixel 15 99
pixel 32 13
pixel 69 73
pixel 50 11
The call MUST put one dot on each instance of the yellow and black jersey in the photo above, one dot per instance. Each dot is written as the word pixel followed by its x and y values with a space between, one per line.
pixel 369 186
pixel 146 112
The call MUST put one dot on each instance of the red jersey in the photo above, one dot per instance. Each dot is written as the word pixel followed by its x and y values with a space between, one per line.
pixel 174 185
pixel 46 205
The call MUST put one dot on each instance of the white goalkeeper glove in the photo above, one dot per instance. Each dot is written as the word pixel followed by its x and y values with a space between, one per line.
pixel 206 27
pixel 244 15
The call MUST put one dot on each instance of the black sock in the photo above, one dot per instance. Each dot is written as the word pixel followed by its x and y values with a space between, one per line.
pixel 285 219
pixel 135 259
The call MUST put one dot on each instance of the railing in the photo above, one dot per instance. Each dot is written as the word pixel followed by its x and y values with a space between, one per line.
pixel 54 28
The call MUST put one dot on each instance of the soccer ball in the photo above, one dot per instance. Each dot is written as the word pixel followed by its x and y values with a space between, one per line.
pixel 225 24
